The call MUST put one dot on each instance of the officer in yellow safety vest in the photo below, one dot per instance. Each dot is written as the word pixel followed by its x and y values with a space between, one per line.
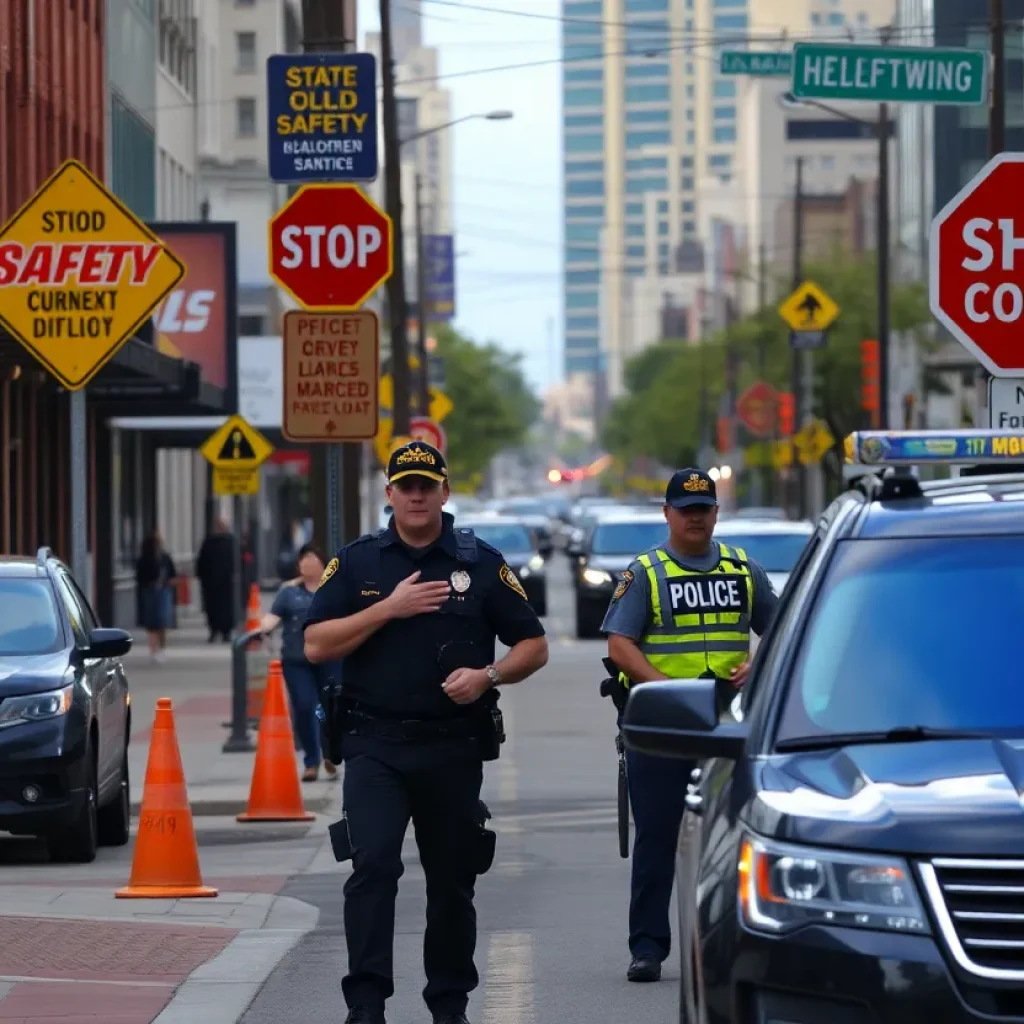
pixel 682 610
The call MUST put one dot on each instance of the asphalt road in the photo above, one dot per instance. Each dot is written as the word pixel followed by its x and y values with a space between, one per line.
pixel 552 911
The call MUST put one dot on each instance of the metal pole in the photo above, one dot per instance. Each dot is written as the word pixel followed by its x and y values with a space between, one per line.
pixel 241 596
pixel 883 267
pixel 239 741
pixel 79 492
pixel 997 107
pixel 800 359
pixel 333 478
pixel 423 378
pixel 393 201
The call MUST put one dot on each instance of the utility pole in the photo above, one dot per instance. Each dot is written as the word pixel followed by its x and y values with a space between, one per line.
pixel 802 368
pixel 997 107
pixel 766 477
pixel 335 470
pixel 423 378
pixel 882 245
pixel 397 306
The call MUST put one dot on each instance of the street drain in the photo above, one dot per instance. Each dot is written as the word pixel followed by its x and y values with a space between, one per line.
pixel 243 836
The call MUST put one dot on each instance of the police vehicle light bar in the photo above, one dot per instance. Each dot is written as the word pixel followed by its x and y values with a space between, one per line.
pixel 943 447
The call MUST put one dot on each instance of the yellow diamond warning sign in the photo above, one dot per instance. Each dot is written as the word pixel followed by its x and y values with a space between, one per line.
pixel 237 446
pixel 79 274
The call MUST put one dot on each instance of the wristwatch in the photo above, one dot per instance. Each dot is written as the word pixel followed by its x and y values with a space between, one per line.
pixel 493 675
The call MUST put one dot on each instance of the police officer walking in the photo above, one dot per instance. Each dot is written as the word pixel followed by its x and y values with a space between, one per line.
pixel 682 610
pixel 414 611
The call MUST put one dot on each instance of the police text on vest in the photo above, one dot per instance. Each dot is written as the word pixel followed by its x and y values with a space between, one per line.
pixel 708 594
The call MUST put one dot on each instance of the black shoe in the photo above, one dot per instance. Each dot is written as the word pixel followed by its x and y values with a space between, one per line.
pixel 450 1018
pixel 644 968
pixel 364 1015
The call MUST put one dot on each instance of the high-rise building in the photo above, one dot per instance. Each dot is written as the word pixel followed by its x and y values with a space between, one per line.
pixel 406 28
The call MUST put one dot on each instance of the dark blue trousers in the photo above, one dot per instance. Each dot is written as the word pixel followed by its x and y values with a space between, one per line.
pixel 302 678
pixel 657 791
pixel 434 784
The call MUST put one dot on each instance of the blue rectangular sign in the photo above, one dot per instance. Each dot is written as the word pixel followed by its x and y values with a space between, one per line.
pixel 439 253
pixel 322 114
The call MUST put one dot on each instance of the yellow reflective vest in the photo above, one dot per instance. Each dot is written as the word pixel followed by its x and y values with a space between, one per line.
pixel 687 644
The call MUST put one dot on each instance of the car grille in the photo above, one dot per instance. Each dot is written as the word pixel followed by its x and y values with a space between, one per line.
pixel 979 906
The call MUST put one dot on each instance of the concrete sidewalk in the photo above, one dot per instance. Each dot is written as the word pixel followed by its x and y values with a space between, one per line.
pixel 70 950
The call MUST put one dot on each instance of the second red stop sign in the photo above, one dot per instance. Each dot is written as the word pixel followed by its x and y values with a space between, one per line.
pixel 330 247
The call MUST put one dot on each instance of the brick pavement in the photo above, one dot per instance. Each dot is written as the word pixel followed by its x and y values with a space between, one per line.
pixel 91 971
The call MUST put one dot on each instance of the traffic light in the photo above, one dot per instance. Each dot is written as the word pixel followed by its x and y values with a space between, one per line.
pixel 787 414
pixel 870 366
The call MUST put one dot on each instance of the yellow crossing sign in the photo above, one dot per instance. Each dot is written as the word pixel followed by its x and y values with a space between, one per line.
pixel 440 406
pixel 813 441
pixel 809 308
pixel 236 445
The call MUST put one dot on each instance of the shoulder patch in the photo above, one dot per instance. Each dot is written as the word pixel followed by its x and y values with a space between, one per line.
pixel 623 585
pixel 509 578
pixel 332 568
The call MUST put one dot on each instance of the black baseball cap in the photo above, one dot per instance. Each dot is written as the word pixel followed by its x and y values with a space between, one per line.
pixel 690 487
pixel 417 459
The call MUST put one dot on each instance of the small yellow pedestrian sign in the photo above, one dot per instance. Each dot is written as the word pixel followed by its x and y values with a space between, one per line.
pixel 813 441
pixel 236 445
pixel 809 308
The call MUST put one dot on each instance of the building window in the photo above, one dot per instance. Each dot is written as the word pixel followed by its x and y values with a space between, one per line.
pixel 582 51
pixel 583 120
pixel 584 143
pixel 659 116
pixel 245 117
pixel 581 323
pixel 595 211
pixel 581 300
pixel 585 187
pixel 635 230
pixel 725 113
pixel 730 22
pixel 585 167
pixel 250 325
pixel 636 252
pixel 646 6
pixel 582 254
pixel 581 10
pixel 647 94
pixel 686 183
pixel 584 97
pixel 686 162
pixel 724 133
pixel 646 70
pixel 662 206
pixel 582 232
pixel 662 227
pixel 641 185
pixel 722 161
pixel 691 138
pixel 245 50
pixel 724 90
pixel 583 277
pixel 634 140
pixel 634 209
pixel 583 74
pixel 689 227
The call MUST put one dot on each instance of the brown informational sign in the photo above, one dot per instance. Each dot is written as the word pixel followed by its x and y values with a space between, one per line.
pixel 331 374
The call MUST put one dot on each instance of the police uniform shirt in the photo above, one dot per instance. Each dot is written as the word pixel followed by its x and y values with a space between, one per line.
pixel 399 670
pixel 629 613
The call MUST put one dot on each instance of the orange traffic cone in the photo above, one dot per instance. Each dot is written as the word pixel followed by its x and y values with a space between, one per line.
pixel 166 860
pixel 252 613
pixel 276 792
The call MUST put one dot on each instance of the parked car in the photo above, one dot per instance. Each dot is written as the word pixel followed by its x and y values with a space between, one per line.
pixel 775 545
pixel 535 515
pixel 513 539
pixel 65 715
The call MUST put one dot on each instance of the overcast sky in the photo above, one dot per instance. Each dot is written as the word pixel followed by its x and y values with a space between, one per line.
pixel 506 174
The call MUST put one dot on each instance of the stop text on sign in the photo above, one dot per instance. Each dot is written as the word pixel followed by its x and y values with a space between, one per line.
pixel 981 301
pixel 307 246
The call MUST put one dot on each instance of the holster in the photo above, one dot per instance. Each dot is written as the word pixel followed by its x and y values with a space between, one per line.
pixel 332 715
pixel 341 841
pixel 490 727
pixel 612 686
pixel 486 841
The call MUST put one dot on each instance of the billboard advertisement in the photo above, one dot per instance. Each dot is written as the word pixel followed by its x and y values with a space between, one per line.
pixel 198 321
pixel 439 256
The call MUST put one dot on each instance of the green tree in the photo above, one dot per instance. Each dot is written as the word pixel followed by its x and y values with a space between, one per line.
pixel 659 416
pixel 494 407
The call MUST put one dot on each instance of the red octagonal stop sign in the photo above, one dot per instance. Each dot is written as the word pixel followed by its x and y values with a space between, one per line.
pixel 330 247
pixel 977 265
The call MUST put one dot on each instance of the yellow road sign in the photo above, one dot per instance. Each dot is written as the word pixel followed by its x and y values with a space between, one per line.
pixel 80 274
pixel 229 482
pixel 440 404
pixel 237 445
pixel 809 308
pixel 813 441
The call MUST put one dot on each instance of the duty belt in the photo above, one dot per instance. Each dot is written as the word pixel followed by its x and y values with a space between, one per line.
pixel 410 728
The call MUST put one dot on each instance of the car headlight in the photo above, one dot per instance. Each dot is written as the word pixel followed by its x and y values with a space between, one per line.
pixel 597 577
pixel 35 708
pixel 535 564
pixel 782 887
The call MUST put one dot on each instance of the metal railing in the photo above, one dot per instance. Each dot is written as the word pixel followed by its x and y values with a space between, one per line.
pixel 239 740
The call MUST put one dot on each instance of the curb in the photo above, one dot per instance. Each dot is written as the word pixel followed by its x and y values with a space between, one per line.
pixel 229 808
pixel 221 990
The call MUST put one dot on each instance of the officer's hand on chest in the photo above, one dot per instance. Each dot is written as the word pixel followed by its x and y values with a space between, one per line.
pixel 413 597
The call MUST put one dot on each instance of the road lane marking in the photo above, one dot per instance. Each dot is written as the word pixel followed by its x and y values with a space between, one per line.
pixel 509 986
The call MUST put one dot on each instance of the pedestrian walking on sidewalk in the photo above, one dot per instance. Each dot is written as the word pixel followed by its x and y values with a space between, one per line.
pixel 155 576
pixel 301 676
pixel 414 611
pixel 216 569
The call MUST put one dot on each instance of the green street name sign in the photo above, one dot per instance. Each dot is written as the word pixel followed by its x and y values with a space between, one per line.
pixel 752 62
pixel 897 74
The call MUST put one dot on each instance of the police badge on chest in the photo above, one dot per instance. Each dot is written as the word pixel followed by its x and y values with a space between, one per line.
pixel 715 592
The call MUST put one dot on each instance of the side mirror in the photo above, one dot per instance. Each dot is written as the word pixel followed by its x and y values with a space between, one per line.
pixel 680 718
pixel 108 643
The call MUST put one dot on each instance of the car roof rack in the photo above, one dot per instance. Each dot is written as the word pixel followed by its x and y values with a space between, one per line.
pixel 43 555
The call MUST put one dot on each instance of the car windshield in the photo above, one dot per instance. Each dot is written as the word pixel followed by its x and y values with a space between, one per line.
pixel 506 537
pixel 774 552
pixel 28 618
pixel 628 538
pixel 919 632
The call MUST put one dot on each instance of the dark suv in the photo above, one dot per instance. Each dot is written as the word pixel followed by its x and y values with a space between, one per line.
pixel 65 719
pixel 853 846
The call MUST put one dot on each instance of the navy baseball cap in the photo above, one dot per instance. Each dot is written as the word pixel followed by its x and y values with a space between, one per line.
pixel 417 459
pixel 690 487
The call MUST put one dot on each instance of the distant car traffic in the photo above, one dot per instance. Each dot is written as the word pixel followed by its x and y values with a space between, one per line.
pixel 65 717
pixel 537 515
pixel 851 848
pixel 512 538
pixel 773 544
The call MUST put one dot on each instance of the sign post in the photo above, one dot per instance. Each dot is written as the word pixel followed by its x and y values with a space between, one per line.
pixel 890 74
pixel 80 275
pixel 974 289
